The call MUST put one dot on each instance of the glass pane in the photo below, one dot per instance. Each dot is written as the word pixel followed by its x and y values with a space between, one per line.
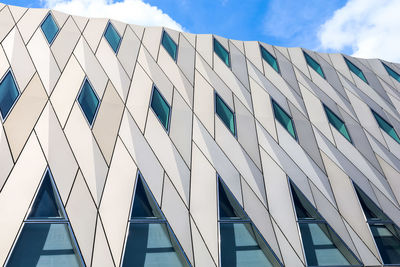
pixel 304 209
pixel 241 246
pixel 222 53
pixel 371 210
pixel 314 64
pixel 355 70
pixel 270 59
pixel 49 28
pixel 169 45
pixel 337 123
pixel 229 208
pixel 160 108
pixel 46 204
pixel 323 248
pixel 392 73
pixel 44 245
pixel 112 37
pixel 386 126
pixel 143 203
pixel 225 114
pixel 8 94
pixel 387 241
pixel 284 119
pixel 88 101
pixel 151 244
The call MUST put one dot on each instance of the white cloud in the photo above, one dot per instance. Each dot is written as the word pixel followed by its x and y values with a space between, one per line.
pixel 371 28
pixel 129 11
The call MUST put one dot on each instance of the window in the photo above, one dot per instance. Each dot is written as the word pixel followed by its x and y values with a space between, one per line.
pixel 270 59
pixel 225 114
pixel 356 70
pixel 169 45
pixel 392 73
pixel 322 246
pixel 112 37
pixel 337 123
pixel 387 127
pixel 9 94
pixel 49 28
pixel 284 119
pixel 314 64
pixel 241 243
pixel 160 107
pixel 46 237
pixel 88 101
pixel 150 241
pixel 386 234
pixel 222 53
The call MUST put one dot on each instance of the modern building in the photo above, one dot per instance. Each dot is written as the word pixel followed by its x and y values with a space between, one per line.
pixel 123 145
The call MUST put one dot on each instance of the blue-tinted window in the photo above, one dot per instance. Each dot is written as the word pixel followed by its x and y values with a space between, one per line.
pixel 49 28
pixel 222 53
pixel 88 101
pixel 284 119
pixel 150 241
pixel 46 204
pixel 387 127
pixel 8 94
pixel 392 73
pixel 322 246
pixel 112 37
pixel 169 45
pixel 386 234
pixel 45 244
pixel 241 243
pixel 225 114
pixel 270 59
pixel 46 238
pixel 314 64
pixel 337 123
pixel 160 108
pixel 355 70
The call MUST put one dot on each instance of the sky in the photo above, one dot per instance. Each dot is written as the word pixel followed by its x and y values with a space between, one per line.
pixel 363 28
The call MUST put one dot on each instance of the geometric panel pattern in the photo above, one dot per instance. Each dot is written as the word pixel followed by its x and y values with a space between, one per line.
pixel 77 97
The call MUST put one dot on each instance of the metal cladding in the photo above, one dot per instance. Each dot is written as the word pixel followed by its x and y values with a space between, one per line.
pixel 94 105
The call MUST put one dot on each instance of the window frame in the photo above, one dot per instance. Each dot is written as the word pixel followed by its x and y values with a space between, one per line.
pixel 58 26
pixel 79 104
pixel 109 23
pixel 307 57
pixel 229 54
pixel 177 46
pixel 165 100
pixel 327 117
pixel 233 112
pixel 18 96
pixel 262 48
pixel 295 137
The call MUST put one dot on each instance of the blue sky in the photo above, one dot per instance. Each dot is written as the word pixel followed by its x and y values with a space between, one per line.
pixel 365 28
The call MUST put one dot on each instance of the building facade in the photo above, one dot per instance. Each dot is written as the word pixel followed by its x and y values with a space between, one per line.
pixel 123 145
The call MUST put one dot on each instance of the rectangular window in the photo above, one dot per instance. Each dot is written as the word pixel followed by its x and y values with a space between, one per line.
pixel 314 64
pixel 392 73
pixel 337 123
pixel 284 119
pixel 387 127
pixel 356 70
pixel 270 59
pixel 160 107
pixel 169 45
pixel 225 114
pixel 222 53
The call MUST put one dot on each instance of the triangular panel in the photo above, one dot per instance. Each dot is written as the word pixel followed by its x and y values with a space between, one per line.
pixel 46 238
pixel 46 205
pixel 322 245
pixel 241 242
pixel 150 241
